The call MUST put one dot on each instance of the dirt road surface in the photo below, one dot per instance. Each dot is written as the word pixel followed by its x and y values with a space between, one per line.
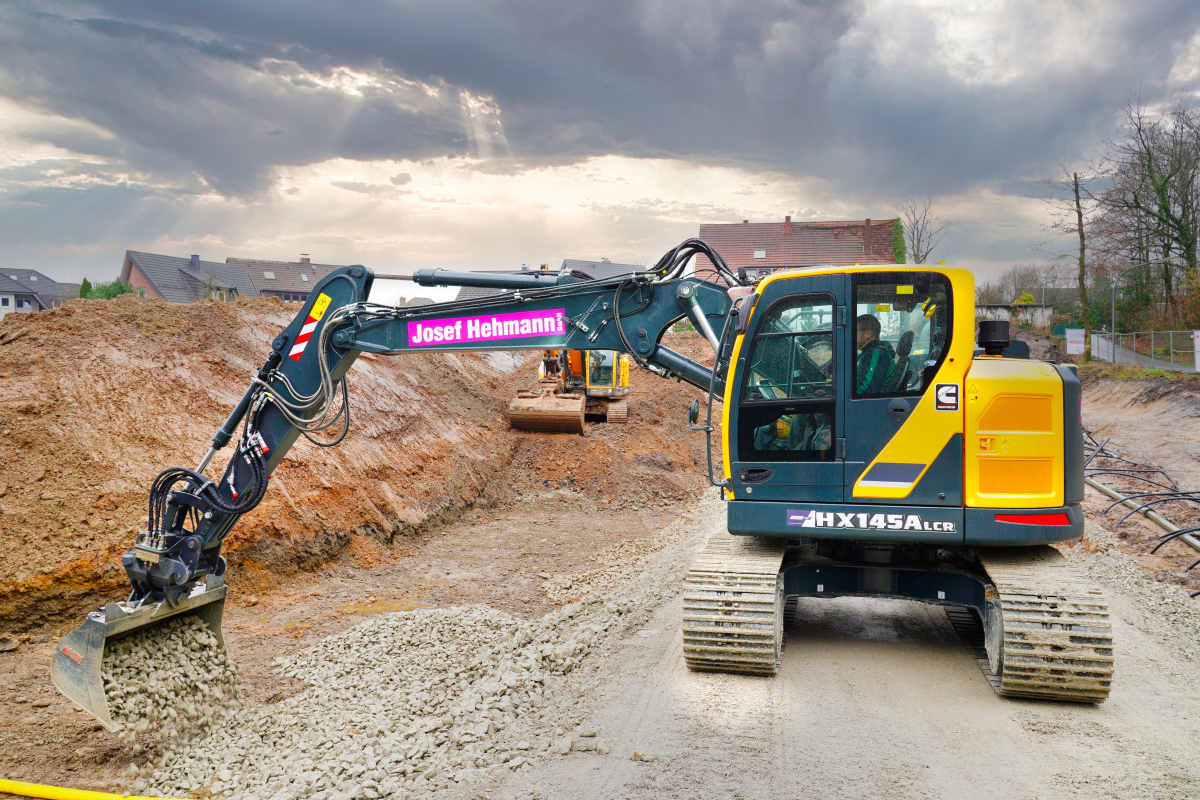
pixel 874 699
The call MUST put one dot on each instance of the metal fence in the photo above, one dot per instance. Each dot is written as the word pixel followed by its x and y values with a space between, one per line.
pixel 1171 350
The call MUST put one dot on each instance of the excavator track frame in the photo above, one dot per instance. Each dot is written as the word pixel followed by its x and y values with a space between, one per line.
pixel 1047 630
pixel 733 606
pixel 1037 628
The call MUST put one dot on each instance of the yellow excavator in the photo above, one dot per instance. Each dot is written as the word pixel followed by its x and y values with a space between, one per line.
pixel 574 385
pixel 873 446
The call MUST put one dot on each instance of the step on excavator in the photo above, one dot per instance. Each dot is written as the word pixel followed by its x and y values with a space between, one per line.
pixel 871 447
pixel 574 385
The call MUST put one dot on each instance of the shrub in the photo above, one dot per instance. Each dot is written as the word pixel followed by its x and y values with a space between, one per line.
pixel 107 291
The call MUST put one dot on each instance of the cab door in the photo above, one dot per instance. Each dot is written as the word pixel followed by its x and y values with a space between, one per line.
pixel 786 419
pixel 899 334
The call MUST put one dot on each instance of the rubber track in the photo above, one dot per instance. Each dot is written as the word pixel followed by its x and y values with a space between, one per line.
pixel 732 606
pixel 1057 631
pixel 969 628
pixel 618 411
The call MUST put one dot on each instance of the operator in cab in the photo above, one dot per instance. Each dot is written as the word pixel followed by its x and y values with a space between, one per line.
pixel 876 358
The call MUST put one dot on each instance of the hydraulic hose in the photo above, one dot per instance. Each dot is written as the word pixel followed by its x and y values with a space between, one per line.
pixel 60 793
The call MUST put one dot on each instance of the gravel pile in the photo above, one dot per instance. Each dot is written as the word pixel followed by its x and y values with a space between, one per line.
pixel 1168 611
pixel 173 681
pixel 404 703
pixel 614 566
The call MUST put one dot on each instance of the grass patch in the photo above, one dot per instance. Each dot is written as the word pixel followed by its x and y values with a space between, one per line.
pixel 1097 370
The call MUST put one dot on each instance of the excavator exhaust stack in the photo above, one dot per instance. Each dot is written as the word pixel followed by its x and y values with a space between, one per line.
pixel 78 666
pixel 545 411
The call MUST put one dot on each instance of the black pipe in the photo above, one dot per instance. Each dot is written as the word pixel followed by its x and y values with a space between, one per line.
pixel 485 280
pixel 697 375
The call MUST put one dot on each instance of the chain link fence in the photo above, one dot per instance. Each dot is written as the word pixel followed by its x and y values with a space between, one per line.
pixel 1171 350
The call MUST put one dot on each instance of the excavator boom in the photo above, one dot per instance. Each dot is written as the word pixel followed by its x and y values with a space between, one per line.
pixel 176 566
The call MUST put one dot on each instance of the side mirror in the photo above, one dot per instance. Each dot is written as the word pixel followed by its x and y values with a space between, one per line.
pixel 741 314
pixel 694 412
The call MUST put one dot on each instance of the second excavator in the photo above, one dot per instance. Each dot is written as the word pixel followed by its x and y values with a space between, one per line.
pixel 870 448
pixel 574 385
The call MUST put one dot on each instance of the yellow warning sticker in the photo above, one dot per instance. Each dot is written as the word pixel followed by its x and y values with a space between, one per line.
pixel 882 307
pixel 904 290
pixel 318 309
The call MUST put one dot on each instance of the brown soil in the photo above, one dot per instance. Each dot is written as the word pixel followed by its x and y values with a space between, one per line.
pixel 431 500
pixel 1041 346
pixel 1154 422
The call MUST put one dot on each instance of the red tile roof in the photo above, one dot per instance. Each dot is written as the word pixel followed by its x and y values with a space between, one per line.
pixel 837 243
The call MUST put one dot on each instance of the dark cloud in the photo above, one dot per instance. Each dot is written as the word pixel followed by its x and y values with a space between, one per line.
pixel 881 101
pixel 228 89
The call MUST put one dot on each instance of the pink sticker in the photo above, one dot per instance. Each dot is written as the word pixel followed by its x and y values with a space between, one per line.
pixel 458 330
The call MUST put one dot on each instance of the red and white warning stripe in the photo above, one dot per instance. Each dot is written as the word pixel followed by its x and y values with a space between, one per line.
pixel 310 325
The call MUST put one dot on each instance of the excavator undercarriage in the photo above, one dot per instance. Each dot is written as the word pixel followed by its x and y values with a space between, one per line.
pixel 1038 629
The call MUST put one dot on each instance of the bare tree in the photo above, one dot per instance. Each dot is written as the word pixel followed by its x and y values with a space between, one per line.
pixel 1017 282
pixel 922 230
pixel 1072 207
pixel 1151 210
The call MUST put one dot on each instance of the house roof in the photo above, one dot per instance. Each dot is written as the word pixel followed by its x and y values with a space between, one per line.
pixel 289 276
pixel 596 270
pixel 30 281
pixel 841 244
pixel 599 270
pixel 9 286
pixel 176 278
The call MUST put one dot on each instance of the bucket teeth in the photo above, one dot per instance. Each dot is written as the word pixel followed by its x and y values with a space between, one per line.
pixel 733 606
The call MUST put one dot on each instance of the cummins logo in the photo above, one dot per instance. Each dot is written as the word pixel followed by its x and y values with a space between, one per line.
pixel 945 397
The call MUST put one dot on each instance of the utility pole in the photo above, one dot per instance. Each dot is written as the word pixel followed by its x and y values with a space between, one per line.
pixel 1083 298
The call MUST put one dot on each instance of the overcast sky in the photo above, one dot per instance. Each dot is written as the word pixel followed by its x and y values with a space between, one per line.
pixel 490 134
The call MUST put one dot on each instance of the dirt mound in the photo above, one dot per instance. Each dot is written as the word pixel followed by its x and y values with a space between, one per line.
pixel 1153 422
pixel 1041 346
pixel 100 396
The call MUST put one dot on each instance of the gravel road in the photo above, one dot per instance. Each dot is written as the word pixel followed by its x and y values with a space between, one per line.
pixel 875 699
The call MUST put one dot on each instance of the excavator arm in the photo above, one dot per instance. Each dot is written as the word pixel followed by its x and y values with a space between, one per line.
pixel 176 566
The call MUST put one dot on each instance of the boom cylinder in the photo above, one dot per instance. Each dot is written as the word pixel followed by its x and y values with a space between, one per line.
pixel 483 280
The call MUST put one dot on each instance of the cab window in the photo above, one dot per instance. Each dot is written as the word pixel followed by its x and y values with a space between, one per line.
pixel 793 352
pixel 787 405
pixel 600 367
pixel 902 325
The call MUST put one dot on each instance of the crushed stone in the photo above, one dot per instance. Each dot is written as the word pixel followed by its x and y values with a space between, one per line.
pixel 615 565
pixel 172 681
pixel 403 703
pixel 1168 612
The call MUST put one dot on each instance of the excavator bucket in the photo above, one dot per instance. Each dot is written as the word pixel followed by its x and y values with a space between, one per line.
pixel 547 412
pixel 77 668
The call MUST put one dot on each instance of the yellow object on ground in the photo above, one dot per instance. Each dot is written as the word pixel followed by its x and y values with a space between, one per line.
pixel 58 792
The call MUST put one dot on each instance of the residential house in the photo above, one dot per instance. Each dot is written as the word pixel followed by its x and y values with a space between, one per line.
pixel 27 291
pixel 182 280
pixel 596 270
pixel 290 281
pixel 794 244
